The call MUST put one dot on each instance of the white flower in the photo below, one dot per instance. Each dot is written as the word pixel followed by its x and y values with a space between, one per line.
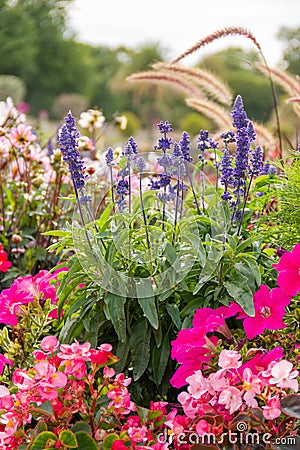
pixel 91 119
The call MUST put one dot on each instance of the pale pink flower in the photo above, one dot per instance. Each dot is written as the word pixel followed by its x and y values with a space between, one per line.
pixel 216 382
pixel 229 359
pixel 138 434
pixel 22 136
pixel 284 375
pixel 4 391
pixel 252 386
pixel 231 398
pixel 272 409
pixel 75 351
pixel 197 384
pixel 49 344
pixel 188 403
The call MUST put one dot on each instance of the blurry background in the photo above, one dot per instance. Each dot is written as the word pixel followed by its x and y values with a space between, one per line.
pixel 76 54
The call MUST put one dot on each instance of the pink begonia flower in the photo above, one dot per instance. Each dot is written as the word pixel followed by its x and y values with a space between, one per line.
pixel 269 311
pixel 231 398
pixel 284 375
pixel 203 427
pixel 108 372
pixel 48 379
pixel 252 386
pixel 216 382
pixel 75 367
pixel 75 351
pixel 272 408
pixel 138 434
pixel 188 404
pixel 289 271
pixel 197 384
pixel 49 344
pixel 229 359
pixel 22 136
pixel 10 300
pixel 4 391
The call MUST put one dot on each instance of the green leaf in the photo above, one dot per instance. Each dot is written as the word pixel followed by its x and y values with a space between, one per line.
pixel 42 439
pixel 249 268
pixel 72 327
pixel 115 306
pixel 109 440
pixel 147 303
pixel 173 311
pixel 68 439
pixel 243 245
pixel 160 358
pixel 239 290
pixel 81 426
pixel 170 254
pixel 45 408
pixel 122 353
pixel 139 344
pixel 85 441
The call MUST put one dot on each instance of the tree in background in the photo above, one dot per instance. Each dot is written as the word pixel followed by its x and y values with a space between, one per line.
pixel 35 46
pixel 291 54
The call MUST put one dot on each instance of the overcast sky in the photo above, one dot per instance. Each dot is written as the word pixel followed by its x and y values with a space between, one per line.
pixel 177 25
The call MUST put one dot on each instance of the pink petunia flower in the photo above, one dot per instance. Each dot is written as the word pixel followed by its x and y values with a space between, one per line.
pixel 269 311
pixel 10 300
pixel 289 271
pixel 284 376
pixel 4 263
pixel 3 362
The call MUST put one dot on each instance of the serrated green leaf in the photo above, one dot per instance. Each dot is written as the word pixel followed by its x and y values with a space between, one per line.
pixel 85 441
pixel 109 440
pixel 41 440
pixel 68 439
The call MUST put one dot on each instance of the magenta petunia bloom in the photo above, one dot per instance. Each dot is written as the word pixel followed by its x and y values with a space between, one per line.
pixel 269 311
pixel 10 300
pixel 289 271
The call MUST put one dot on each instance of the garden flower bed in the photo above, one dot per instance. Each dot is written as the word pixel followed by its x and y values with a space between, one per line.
pixel 150 301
